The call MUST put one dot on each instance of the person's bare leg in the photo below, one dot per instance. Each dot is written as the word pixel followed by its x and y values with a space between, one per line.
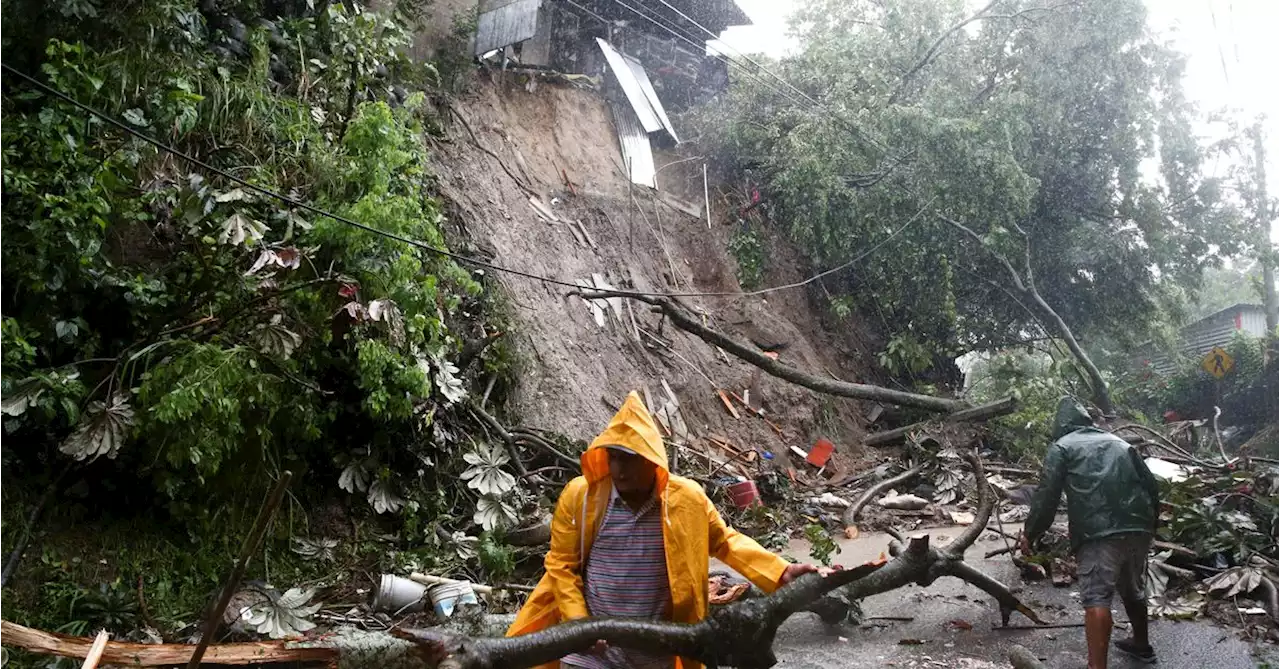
pixel 1097 633
pixel 1137 611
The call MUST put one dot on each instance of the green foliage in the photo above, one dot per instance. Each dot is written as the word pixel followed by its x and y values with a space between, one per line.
pixel 205 337
pixel 904 355
pixel 747 248
pixel 1246 395
pixel 497 559
pixel 821 545
pixel 1223 511
pixel 1036 124
pixel 1036 380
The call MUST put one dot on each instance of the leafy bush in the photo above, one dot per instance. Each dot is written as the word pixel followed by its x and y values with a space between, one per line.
pixel 747 248
pixel 1036 380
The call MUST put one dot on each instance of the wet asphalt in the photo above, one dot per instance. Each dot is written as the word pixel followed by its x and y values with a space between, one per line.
pixel 804 642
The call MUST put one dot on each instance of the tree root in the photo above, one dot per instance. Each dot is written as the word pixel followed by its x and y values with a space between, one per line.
pixel 739 634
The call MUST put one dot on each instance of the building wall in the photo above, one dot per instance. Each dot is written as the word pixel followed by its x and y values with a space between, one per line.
pixel 1217 330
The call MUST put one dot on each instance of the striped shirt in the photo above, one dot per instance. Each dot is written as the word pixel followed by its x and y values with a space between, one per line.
pixel 626 577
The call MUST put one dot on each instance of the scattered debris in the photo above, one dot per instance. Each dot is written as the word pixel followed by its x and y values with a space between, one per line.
pixel 903 502
pixel 961 517
pixel 820 453
pixel 831 501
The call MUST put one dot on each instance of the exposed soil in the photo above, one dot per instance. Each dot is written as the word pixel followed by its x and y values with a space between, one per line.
pixel 576 372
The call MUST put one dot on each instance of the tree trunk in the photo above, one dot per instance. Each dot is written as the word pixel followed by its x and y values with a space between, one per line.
pixel 999 407
pixel 1026 286
pixel 1266 251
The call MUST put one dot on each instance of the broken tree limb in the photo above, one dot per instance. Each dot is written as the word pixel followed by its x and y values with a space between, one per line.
pixel 507 440
pixel 1024 283
pixel 11 564
pixel 682 319
pixel 250 546
pixel 160 654
pixel 999 407
pixel 851 514
pixel 739 634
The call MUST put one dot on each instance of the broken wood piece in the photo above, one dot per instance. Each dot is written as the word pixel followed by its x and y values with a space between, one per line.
pixel 577 236
pixel 727 404
pixel 568 183
pixel 1175 548
pixel 851 514
pixel 755 412
pixel 979 413
pixel 95 651
pixel 480 589
pixel 587 233
pixel 160 654
pixel 543 210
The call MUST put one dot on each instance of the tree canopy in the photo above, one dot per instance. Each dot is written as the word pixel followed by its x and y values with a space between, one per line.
pixel 1058 133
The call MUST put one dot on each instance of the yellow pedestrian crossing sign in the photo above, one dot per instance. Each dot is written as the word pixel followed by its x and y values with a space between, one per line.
pixel 1218 362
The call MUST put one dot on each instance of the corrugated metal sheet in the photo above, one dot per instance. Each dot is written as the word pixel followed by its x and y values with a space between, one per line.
pixel 637 154
pixel 1216 329
pixel 638 89
pixel 505 25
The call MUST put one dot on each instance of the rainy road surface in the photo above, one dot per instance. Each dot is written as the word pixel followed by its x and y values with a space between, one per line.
pixel 804 642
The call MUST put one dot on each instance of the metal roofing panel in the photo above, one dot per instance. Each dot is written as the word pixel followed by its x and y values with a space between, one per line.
pixel 631 87
pixel 646 86
pixel 638 89
pixel 508 24
pixel 637 154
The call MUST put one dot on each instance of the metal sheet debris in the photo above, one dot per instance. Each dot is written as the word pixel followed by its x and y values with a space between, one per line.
pixel 638 89
pixel 637 154
pixel 509 24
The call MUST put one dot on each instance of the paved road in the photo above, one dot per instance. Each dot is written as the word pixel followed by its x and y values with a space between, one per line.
pixel 805 643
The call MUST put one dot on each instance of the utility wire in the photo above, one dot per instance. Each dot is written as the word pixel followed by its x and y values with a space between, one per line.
pixel 859 134
pixel 754 76
pixel 417 244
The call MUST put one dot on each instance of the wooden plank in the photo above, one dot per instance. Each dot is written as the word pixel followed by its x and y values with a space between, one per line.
pixel 160 654
pixel 727 404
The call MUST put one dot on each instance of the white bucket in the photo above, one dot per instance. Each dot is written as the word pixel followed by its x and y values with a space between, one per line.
pixel 447 597
pixel 399 595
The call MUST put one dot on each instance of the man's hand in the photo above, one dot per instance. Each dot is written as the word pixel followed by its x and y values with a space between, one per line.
pixel 1024 544
pixel 795 571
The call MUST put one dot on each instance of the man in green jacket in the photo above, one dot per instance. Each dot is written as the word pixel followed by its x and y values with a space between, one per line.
pixel 1112 510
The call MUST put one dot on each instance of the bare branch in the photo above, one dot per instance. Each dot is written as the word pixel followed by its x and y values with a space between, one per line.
pixel 936 47
pixel 851 514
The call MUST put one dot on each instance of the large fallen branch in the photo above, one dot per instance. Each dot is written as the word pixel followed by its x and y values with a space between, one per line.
pixel 683 319
pixel 999 407
pixel 851 513
pixel 740 634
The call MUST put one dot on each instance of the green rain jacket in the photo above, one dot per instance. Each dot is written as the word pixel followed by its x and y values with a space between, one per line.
pixel 1109 488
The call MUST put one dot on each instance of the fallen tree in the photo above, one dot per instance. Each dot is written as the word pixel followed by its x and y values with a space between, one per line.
pixel 682 318
pixel 1000 407
pixel 740 634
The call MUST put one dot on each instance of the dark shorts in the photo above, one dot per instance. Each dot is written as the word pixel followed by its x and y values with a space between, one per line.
pixel 1111 565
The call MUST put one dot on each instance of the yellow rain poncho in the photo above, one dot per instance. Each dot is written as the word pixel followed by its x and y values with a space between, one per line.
pixel 692 531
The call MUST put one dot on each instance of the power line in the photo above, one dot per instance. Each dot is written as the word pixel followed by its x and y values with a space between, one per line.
pixel 744 56
pixel 417 244
pixel 703 47
pixel 853 129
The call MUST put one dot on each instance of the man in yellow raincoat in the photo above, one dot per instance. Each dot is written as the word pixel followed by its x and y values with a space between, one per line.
pixel 631 540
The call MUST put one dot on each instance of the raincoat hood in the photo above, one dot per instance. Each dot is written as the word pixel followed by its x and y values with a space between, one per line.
pixel 633 429
pixel 1071 417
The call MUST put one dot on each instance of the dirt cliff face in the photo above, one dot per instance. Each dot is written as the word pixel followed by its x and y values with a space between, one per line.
pixel 577 372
